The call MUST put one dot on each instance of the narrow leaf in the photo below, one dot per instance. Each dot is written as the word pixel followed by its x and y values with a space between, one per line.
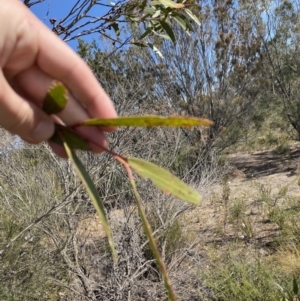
pixel 157 13
pixel 168 30
pixel 164 180
pixel 153 246
pixel 73 139
pixel 149 11
pixel 56 98
pixel 295 286
pixel 149 121
pixel 183 21
pixel 148 30
pixel 162 36
pixel 93 194
pixel 139 44
pixel 153 3
pixel 134 19
pixel 155 49
pixel 170 3
pixel 115 26
pixel 192 16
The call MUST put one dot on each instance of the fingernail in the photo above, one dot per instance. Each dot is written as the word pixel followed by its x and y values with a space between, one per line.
pixel 43 131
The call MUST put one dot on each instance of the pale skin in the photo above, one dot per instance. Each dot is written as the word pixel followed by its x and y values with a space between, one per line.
pixel 31 57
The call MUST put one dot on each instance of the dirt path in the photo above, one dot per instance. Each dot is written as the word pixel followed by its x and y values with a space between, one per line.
pixel 240 209
pixel 266 163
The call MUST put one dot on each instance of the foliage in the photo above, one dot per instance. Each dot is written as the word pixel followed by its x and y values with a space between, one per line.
pixel 237 278
pixel 152 18
pixel 161 178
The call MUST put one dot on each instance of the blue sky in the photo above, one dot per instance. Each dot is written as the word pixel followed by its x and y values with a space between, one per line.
pixel 58 9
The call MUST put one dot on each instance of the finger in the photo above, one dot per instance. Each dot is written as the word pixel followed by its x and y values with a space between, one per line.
pixel 69 68
pixel 34 84
pixel 21 117
pixel 58 150
pixel 20 46
pixel 56 59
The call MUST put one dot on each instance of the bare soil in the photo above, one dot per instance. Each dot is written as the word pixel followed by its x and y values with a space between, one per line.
pixel 253 178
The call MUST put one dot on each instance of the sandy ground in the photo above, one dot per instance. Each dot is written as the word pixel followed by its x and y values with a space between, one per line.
pixel 257 182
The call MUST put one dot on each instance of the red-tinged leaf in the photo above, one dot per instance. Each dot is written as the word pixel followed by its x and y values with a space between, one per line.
pixel 164 180
pixel 170 3
pixel 56 98
pixel 93 194
pixel 73 139
pixel 149 121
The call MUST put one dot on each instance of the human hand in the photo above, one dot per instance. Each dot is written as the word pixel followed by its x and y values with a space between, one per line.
pixel 31 57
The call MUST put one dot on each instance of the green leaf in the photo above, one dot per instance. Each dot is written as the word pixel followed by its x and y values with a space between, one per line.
pixel 162 36
pixel 93 194
pixel 181 22
pixel 155 49
pixel 153 3
pixel 56 98
pixel 169 3
pixel 164 180
pixel 115 26
pixel 157 13
pixel 295 286
pixel 73 139
pixel 139 44
pixel 153 246
pixel 192 16
pixel 149 121
pixel 149 11
pixel 135 19
pixel 168 30
pixel 148 30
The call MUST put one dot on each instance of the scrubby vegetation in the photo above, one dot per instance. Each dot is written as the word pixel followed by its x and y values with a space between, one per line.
pixel 240 68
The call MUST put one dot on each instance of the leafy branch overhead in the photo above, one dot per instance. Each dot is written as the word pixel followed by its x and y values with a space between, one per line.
pixel 56 100
pixel 148 17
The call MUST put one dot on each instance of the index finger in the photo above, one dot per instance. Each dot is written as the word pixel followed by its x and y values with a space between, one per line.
pixel 60 62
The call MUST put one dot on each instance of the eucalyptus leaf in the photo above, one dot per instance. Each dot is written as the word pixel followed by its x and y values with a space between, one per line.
pixel 170 3
pixel 153 246
pixel 168 30
pixel 148 31
pixel 115 26
pixel 149 11
pixel 56 98
pixel 295 287
pixel 149 121
pixel 157 13
pixel 73 139
pixel 164 180
pixel 192 16
pixel 181 22
pixel 154 3
pixel 93 194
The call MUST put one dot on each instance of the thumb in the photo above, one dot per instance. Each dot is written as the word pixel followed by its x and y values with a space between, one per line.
pixel 22 117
